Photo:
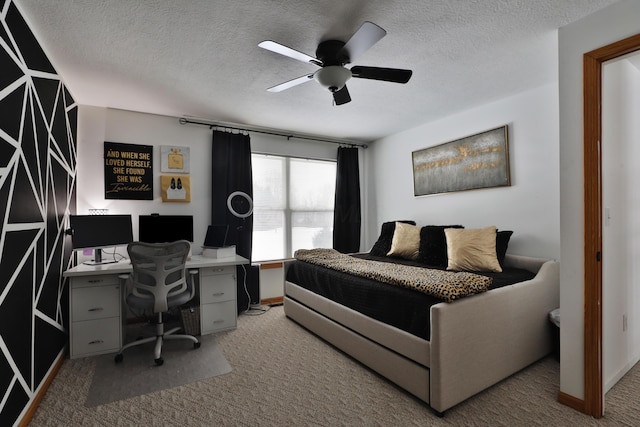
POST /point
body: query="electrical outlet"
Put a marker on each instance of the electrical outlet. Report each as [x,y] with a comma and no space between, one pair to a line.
[624,323]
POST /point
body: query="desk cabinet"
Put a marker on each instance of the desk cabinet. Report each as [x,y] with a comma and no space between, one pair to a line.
[96,313]
[95,316]
[217,299]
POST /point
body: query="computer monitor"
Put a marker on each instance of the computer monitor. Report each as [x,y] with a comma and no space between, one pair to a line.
[100,231]
[165,228]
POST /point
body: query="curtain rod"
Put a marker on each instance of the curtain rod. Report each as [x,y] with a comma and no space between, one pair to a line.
[212,125]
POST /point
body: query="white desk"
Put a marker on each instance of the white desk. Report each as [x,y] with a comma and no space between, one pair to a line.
[96,302]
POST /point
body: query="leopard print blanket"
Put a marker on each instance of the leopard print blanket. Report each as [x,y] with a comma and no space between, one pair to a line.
[446,285]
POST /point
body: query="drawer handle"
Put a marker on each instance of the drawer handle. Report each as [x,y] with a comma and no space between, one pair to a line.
[218,321]
[95,280]
[96,342]
[218,294]
[95,309]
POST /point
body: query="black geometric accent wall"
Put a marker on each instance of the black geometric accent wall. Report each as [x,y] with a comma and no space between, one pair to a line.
[38,121]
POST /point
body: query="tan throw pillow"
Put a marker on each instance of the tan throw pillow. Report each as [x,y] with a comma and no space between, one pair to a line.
[472,249]
[405,242]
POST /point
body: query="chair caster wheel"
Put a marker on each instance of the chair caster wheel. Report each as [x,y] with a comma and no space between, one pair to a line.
[196,345]
[159,361]
[118,358]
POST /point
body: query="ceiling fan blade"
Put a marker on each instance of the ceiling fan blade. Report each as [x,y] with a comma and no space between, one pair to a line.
[291,83]
[342,96]
[394,75]
[367,35]
[287,51]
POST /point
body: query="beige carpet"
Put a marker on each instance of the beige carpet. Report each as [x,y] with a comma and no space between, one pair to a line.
[284,376]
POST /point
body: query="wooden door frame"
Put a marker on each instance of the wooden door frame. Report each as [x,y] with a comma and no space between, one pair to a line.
[592,98]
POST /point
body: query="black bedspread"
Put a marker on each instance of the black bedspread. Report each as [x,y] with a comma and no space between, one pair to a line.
[405,309]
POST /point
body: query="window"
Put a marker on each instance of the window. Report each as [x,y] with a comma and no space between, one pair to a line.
[292,205]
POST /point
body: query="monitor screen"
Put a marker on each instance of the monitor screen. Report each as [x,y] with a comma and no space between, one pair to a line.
[165,228]
[100,231]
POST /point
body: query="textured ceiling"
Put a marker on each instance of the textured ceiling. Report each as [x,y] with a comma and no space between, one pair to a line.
[201,58]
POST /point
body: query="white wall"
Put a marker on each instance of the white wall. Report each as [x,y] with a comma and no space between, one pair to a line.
[529,207]
[609,25]
[621,217]
[96,125]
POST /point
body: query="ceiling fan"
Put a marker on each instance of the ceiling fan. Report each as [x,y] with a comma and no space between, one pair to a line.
[332,56]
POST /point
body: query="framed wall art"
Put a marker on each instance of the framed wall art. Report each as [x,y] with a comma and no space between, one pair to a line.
[128,171]
[175,188]
[174,159]
[476,161]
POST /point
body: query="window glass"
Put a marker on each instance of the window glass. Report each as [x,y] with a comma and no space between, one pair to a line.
[269,238]
[268,182]
[311,230]
[293,205]
[313,184]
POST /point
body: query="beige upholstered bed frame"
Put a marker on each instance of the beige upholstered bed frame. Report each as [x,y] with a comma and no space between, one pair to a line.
[475,341]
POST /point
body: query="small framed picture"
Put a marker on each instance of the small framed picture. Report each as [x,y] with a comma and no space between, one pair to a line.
[174,159]
[175,188]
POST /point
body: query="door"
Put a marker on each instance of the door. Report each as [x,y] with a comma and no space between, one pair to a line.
[593,219]
[620,215]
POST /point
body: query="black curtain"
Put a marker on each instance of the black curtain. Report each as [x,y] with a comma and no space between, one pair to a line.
[346,216]
[231,172]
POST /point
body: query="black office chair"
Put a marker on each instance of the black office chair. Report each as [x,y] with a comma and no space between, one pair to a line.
[158,282]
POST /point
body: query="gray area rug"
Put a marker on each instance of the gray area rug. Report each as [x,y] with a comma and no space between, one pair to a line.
[138,374]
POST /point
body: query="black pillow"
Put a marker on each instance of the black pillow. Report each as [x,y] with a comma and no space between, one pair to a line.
[433,245]
[502,242]
[383,245]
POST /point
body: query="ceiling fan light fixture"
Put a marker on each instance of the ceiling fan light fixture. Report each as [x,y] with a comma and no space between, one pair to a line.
[332,77]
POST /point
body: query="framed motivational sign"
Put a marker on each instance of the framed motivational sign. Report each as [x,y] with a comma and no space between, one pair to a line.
[128,171]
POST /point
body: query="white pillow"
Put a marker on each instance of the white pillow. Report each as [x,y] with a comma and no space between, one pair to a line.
[472,249]
[405,242]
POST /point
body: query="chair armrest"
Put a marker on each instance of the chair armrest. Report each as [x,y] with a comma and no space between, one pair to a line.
[192,273]
[125,282]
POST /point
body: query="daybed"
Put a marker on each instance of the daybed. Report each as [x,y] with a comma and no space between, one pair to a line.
[467,345]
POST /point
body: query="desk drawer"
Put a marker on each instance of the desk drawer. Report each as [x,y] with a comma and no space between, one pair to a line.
[218,317]
[217,289]
[97,280]
[95,337]
[212,271]
[95,302]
